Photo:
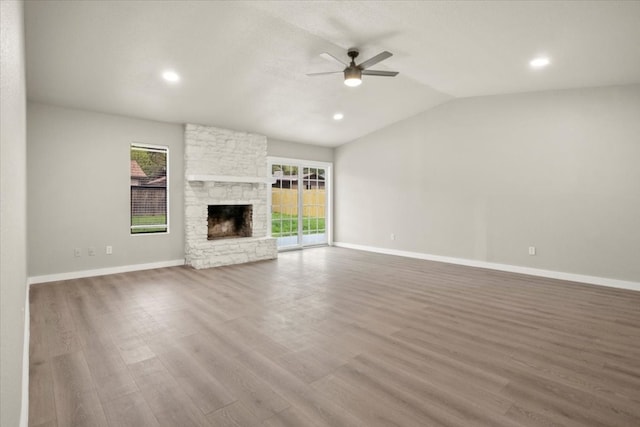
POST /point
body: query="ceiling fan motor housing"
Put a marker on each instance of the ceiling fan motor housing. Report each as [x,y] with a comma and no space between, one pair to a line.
[352,72]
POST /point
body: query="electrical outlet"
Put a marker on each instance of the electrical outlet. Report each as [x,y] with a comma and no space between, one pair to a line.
[109,250]
[393,236]
[92,251]
[77,252]
[532,250]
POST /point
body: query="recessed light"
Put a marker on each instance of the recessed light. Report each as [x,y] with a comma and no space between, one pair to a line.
[338,116]
[539,62]
[171,76]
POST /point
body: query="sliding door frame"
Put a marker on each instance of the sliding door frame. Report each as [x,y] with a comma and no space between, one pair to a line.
[301,164]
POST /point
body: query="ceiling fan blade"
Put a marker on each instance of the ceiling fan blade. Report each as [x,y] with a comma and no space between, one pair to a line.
[379,73]
[330,57]
[373,61]
[322,74]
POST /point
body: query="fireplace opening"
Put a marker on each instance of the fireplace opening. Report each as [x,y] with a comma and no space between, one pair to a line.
[229,221]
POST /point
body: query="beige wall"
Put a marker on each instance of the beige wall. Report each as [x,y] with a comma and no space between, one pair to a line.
[79,190]
[13,213]
[485,178]
[294,150]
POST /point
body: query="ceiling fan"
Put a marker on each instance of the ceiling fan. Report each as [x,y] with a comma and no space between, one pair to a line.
[353,73]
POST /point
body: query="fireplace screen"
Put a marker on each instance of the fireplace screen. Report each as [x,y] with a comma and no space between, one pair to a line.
[229,221]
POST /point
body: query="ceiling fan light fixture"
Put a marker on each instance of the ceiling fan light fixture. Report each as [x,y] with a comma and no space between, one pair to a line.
[353,82]
[352,76]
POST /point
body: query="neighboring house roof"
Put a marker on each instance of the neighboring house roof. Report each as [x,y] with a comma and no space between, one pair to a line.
[157,181]
[136,170]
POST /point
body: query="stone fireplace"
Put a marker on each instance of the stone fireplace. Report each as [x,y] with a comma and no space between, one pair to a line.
[226,188]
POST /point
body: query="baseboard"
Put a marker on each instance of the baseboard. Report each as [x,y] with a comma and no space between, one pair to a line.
[24,410]
[103,271]
[592,280]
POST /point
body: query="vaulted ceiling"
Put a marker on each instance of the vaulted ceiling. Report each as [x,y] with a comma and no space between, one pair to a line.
[243,65]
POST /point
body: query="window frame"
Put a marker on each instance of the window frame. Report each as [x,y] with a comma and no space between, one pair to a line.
[301,164]
[166,149]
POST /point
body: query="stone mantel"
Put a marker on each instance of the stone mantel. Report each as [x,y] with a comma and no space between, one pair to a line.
[231,179]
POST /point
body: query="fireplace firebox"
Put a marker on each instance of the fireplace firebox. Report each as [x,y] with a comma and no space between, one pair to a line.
[229,221]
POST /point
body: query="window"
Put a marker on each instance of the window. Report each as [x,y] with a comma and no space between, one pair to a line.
[149,196]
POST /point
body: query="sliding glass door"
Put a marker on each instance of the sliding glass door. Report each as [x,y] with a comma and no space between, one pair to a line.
[284,205]
[300,202]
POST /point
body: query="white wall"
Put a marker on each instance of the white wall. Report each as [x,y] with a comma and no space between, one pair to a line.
[79,190]
[294,150]
[485,178]
[13,212]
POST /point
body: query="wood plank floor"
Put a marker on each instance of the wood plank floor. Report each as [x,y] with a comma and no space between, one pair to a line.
[333,337]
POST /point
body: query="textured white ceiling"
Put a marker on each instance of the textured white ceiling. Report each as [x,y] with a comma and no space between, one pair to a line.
[244,64]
